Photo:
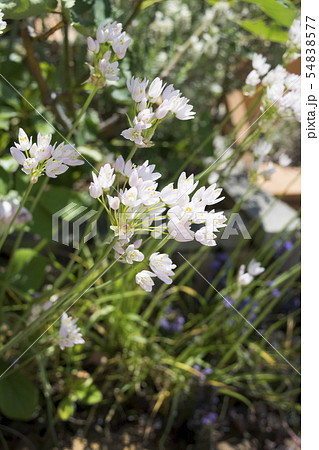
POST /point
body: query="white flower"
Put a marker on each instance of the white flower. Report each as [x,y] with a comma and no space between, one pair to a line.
[252,78]
[93,45]
[274,76]
[114,202]
[254,268]
[143,120]
[185,184]
[54,168]
[134,135]
[69,333]
[262,148]
[144,279]
[147,192]
[211,195]
[206,236]
[284,160]
[129,197]
[3,23]
[163,109]
[137,87]
[162,266]
[120,45]
[29,164]
[43,156]
[132,254]
[106,176]
[114,31]
[244,278]
[155,89]
[24,142]
[146,172]
[294,35]
[95,188]
[259,63]
[180,230]
[109,70]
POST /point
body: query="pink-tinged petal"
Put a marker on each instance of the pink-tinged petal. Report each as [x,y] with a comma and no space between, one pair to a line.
[17,155]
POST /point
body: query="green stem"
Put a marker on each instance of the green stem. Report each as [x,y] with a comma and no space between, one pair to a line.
[84,108]
[17,243]
[25,197]
[47,393]
[132,153]
[66,299]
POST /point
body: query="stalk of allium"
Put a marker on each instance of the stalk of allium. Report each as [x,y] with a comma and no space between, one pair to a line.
[281,89]
[139,208]
[110,45]
[147,119]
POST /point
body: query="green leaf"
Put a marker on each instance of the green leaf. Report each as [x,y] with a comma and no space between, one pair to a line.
[28,269]
[258,27]
[18,396]
[238,396]
[284,14]
[88,393]
[5,181]
[8,163]
[66,408]
[21,9]
[91,154]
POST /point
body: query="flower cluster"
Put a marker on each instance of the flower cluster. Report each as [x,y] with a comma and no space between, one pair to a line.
[253,270]
[69,332]
[3,23]
[146,119]
[161,266]
[8,208]
[261,150]
[140,207]
[294,42]
[282,89]
[40,157]
[110,45]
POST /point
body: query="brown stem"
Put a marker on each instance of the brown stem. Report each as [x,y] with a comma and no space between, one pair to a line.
[44,36]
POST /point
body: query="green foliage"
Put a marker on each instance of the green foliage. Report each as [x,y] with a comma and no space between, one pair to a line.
[21,9]
[282,12]
[28,270]
[271,32]
[18,396]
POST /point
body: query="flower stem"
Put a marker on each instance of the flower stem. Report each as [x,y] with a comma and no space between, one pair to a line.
[84,108]
[24,199]
[132,153]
